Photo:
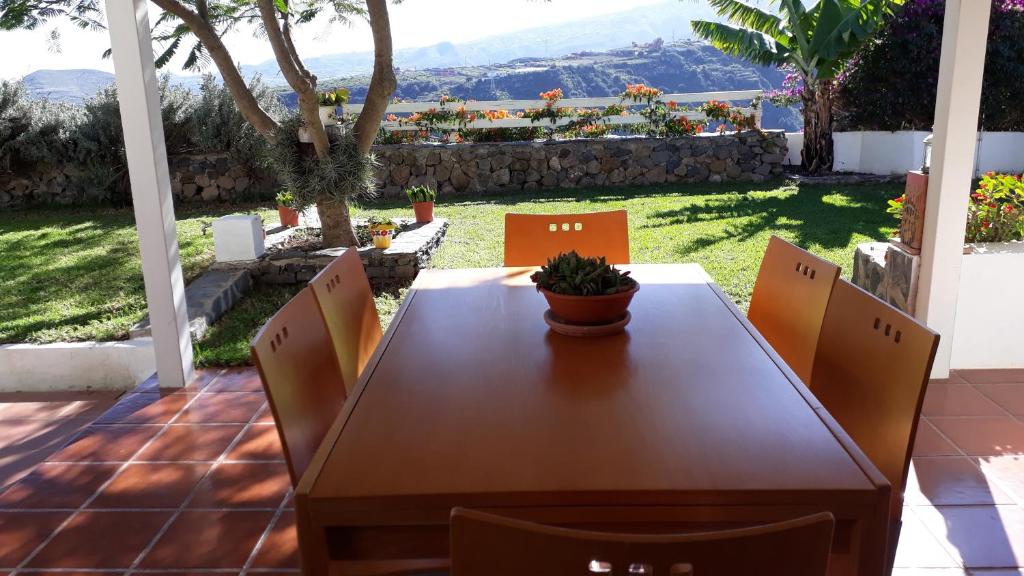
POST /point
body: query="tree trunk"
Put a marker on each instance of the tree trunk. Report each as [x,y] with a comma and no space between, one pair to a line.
[817,103]
[336,224]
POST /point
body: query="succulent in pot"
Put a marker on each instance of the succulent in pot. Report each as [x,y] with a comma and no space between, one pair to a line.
[382,230]
[330,102]
[583,290]
[286,209]
[422,199]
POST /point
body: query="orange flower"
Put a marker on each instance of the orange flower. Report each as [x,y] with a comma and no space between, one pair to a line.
[392,118]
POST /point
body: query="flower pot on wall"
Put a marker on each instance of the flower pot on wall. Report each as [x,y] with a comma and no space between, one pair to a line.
[289,216]
[424,212]
[382,236]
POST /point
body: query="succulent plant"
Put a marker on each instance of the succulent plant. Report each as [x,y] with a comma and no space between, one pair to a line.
[380,222]
[421,194]
[574,275]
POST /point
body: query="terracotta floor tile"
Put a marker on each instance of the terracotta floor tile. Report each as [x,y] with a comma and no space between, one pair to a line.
[209,539]
[1009,396]
[22,532]
[237,408]
[200,380]
[104,540]
[281,547]
[980,536]
[259,485]
[918,548]
[958,401]
[983,436]
[26,443]
[106,443]
[57,485]
[950,481]
[190,442]
[259,442]
[151,486]
[52,405]
[145,408]
[237,380]
[1007,471]
[930,443]
[1000,376]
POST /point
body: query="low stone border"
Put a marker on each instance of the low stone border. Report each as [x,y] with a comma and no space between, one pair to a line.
[76,365]
[395,267]
[846,178]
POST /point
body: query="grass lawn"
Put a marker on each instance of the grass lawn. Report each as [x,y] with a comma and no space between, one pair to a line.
[74,274]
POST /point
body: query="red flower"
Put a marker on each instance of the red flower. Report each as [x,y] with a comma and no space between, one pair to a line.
[986,224]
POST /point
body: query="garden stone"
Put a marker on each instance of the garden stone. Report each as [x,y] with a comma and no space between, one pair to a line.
[554,164]
[400,174]
[210,193]
[500,177]
[226,183]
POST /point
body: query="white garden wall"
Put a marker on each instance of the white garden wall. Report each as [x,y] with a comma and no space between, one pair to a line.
[989,318]
[887,153]
[794,145]
[76,365]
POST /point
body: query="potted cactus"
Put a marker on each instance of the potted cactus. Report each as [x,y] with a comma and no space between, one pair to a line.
[382,230]
[286,209]
[330,104]
[422,199]
[585,291]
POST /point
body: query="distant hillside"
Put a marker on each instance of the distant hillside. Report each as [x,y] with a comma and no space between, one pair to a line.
[67,85]
[687,66]
[670,21]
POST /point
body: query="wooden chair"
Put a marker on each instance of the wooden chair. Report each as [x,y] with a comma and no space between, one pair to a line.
[789,300]
[530,239]
[487,545]
[304,384]
[870,373]
[300,375]
[346,302]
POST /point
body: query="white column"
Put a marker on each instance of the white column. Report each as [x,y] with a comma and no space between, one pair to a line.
[964,38]
[139,97]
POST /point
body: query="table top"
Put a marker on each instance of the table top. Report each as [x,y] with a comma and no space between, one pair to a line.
[473,401]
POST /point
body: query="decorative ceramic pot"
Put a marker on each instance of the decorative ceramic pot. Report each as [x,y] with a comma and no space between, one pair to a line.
[603,309]
[289,216]
[424,212]
[382,236]
[328,115]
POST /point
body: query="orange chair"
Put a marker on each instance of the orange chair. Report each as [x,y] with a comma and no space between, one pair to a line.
[487,545]
[299,369]
[789,301]
[300,375]
[530,239]
[346,301]
[870,373]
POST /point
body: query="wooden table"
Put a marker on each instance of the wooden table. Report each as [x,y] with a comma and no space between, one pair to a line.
[686,421]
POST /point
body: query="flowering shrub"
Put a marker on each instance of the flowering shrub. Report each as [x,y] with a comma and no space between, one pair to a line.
[789,94]
[724,113]
[640,93]
[996,211]
[891,83]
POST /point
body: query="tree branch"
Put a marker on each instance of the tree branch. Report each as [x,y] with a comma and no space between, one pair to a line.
[382,82]
[233,80]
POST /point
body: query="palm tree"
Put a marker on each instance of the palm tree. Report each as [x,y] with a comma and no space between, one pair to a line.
[816,41]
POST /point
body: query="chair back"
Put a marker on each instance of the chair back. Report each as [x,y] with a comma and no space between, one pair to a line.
[789,300]
[346,301]
[487,545]
[300,375]
[530,239]
[870,373]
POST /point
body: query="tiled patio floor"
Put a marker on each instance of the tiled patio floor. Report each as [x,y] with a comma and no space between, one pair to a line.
[194,482]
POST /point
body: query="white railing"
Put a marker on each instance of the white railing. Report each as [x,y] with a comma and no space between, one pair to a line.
[514,105]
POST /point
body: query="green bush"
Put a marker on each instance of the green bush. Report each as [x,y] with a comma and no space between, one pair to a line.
[891,83]
[218,126]
[32,133]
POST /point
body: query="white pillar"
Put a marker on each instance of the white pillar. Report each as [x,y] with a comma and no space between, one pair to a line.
[139,97]
[964,38]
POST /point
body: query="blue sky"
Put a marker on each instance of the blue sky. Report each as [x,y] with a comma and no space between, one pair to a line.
[414,23]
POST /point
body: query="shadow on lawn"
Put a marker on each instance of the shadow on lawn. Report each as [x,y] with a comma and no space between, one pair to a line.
[804,215]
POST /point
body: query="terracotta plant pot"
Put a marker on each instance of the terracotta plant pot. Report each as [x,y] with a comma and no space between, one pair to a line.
[289,216]
[590,309]
[424,212]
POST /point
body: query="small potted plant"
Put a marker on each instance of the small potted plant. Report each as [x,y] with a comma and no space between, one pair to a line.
[422,198]
[330,103]
[382,230]
[286,209]
[585,291]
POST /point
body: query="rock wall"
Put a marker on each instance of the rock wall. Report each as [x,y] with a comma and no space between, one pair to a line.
[888,272]
[523,166]
[194,178]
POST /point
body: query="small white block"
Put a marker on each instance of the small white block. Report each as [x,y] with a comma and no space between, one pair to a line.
[238,237]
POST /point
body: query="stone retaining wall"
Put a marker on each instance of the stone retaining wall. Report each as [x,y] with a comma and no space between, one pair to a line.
[523,166]
[194,178]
